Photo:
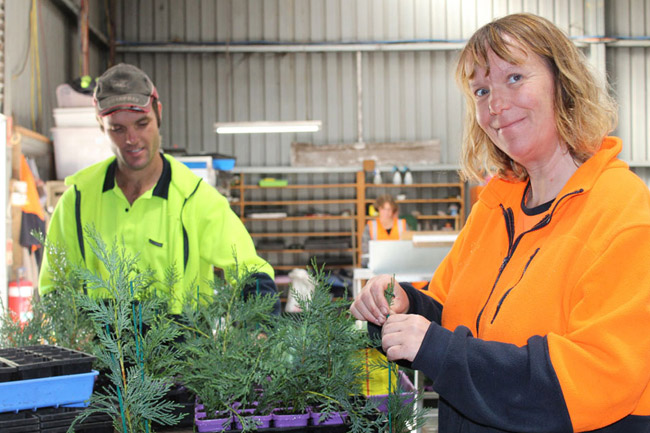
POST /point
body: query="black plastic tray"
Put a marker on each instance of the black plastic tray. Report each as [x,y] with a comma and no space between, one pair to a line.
[34,362]
[55,420]
[25,420]
[67,361]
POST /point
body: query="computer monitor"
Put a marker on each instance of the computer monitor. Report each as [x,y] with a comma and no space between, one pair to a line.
[405,259]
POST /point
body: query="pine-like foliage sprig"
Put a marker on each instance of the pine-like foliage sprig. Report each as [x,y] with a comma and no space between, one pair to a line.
[227,348]
[319,350]
[138,379]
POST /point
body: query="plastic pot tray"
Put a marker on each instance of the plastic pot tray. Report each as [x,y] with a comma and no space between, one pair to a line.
[74,389]
[59,420]
[32,362]
[19,422]
[407,390]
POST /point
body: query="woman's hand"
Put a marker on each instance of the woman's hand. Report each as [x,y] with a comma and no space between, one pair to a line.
[402,336]
[371,304]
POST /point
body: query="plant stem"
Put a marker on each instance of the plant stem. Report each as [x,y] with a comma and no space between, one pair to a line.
[190,328]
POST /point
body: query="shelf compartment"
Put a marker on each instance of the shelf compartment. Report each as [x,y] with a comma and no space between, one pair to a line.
[414,185]
[309,251]
[302,266]
[423,200]
[298,202]
[294,234]
[310,186]
[303,218]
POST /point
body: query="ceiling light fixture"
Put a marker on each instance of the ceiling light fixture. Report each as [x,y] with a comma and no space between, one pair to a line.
[267,127]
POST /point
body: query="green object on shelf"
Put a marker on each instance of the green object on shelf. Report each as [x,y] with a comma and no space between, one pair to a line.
[271,181]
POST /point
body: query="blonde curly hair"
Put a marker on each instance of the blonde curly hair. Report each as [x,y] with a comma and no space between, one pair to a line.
[584,112]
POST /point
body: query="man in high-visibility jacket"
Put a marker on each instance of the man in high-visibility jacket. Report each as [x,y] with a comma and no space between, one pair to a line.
[150,202]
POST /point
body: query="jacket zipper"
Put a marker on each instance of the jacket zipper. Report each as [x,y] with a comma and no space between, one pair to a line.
[505,295]
[186,241]
[508,216]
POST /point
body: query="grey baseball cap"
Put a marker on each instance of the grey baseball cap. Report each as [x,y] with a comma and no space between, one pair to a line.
[123,87]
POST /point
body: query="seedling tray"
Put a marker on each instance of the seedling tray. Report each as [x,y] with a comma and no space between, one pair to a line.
[33,362]
[74,389]
[59,420]
[65,361]
[340,428]
[18,422]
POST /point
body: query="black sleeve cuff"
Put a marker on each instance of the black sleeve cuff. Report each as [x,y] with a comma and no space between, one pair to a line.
[263,284]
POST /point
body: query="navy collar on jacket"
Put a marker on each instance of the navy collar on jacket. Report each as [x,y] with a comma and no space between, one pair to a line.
[160,190]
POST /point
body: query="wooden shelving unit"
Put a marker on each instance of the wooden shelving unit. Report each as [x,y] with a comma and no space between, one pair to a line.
[331,206]
[320,217]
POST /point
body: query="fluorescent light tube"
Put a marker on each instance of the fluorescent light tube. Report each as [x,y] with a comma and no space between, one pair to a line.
[267,127]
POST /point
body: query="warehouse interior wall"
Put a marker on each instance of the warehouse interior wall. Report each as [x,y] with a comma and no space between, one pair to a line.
[373,71]
[50,28]
[198,53]
[221,61]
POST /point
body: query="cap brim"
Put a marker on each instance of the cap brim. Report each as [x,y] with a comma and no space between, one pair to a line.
[132,102]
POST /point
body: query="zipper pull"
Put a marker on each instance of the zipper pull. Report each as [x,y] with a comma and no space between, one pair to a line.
[505,261]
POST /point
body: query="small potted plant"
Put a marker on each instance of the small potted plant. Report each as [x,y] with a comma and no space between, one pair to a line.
[320,370]
[138,363]
[228,358]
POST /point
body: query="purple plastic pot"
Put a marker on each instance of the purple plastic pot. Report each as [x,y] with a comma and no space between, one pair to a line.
[290,419]
[212,425]
[408,392]
[261,421]
[334,418]
[219,423]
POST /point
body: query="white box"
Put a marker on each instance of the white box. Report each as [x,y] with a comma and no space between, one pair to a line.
[66,96]
[201,166]
[75,116]
[77,148]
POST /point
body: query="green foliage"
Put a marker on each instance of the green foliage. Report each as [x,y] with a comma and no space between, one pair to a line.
[14,333]
[135,338]
[389,293]
[56,317]
[403,416]
[319,353]
[227,346]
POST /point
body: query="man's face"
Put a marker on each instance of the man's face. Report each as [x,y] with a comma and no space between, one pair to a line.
[134,137]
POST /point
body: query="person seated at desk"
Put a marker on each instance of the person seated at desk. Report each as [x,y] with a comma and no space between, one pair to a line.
[386,227]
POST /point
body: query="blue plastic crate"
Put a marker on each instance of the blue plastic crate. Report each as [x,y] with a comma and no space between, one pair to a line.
[73,389]
[223,164]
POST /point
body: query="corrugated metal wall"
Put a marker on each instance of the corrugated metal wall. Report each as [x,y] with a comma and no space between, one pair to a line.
[629,70]
[59,58]
[407,95]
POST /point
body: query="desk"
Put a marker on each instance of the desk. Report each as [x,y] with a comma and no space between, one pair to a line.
[360,275]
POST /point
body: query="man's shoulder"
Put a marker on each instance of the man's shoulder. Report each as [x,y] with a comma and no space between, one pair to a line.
[188,183]
[88,176]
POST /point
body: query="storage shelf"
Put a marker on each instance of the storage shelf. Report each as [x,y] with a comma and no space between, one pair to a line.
[302,218]
[425,200]
[308,251]
[349,189]
[414,185]
[302,266]
[428,217]
[298,202]
[294,234]
[304,186]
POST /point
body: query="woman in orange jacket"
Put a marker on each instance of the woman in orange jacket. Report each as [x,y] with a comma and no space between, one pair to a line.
[386,227]
[538,320]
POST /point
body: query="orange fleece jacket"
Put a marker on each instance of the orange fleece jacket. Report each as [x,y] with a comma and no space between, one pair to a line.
[580,278]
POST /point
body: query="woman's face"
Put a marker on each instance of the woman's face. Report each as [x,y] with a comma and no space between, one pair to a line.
[514,106]
[386,212]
